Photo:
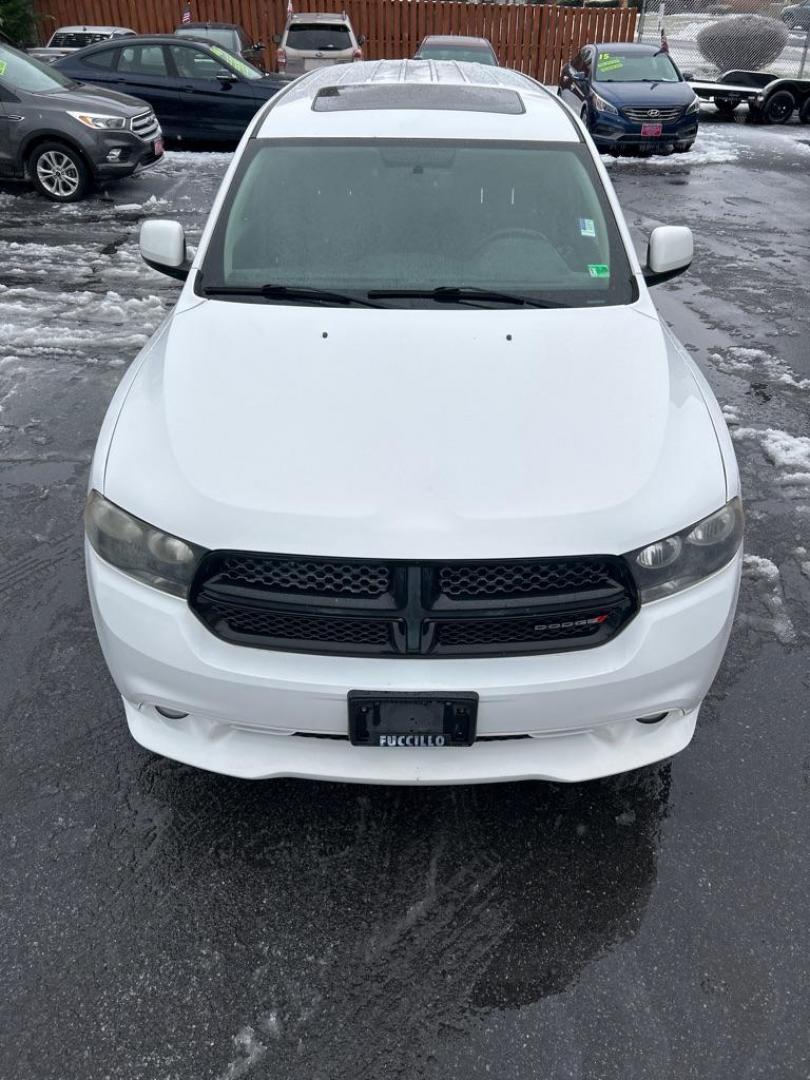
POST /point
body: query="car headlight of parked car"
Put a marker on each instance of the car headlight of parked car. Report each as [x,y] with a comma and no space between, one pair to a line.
[686,557]
[152,556]
[603,106]
[99,121]
[693,106]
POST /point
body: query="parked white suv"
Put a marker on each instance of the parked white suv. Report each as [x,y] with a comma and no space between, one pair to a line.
[414,486]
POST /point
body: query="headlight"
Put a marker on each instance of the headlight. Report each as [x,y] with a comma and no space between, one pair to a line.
[681,560]
[98,121]
[601,105]
[156,558]
[694,107]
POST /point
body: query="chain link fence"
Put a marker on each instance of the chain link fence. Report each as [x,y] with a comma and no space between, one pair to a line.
[738,39]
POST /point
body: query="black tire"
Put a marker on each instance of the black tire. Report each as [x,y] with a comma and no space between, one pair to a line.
[804,111]
[684,147]
[726,107]
[778,108]
[59,172]
[583,115]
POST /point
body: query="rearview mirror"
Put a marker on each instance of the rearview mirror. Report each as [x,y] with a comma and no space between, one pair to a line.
[163,247]
[669,253]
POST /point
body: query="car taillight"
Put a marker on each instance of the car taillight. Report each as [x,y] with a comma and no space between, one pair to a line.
[357,54]
[281,58]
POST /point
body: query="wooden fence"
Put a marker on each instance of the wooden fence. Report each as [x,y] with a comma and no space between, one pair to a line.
[534,38]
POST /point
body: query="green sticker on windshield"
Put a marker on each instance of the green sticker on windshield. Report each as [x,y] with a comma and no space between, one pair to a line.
[2,67]
[607,62]
[239,66]
[599,270]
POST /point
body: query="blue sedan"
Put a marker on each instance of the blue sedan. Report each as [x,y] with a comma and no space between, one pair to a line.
[201,93]
[632,98]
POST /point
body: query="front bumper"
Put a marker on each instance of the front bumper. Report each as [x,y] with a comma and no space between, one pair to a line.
[617,134]
[136,154]
[255,714]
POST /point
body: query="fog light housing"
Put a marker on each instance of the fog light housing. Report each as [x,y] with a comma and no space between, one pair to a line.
[170,714]
[114,155]
[656,718]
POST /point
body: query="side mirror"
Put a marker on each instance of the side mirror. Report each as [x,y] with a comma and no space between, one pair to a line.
[688,75]
[669,253]
[361,40]
[276,39]
[163,247]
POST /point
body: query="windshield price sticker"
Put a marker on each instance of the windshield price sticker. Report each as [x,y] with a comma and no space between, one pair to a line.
[609,63]
[239,66]
[2,67]
[598,270]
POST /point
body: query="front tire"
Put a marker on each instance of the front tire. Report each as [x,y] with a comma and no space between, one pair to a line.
[804,111]
[59,172]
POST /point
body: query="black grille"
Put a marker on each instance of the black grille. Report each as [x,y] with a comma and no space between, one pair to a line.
[430,609]
[653,116]
[306,576]
[462,632]
[469,581]
[274,629]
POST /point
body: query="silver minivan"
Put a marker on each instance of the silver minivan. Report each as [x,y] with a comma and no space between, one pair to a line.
[316,40]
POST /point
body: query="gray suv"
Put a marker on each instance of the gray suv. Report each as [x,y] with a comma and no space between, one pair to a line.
[62,135]
[316,40]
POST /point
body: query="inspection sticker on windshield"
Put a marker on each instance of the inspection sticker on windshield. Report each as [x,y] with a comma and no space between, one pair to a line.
[2,67]
[586,227]
[599,270]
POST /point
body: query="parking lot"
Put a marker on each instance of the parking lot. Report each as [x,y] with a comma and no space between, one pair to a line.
[161,923]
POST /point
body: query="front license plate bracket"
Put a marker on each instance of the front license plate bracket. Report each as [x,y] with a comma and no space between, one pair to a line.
[412,721]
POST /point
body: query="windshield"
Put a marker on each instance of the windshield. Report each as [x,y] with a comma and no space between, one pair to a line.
[61,40]
[615,67]
[470,55]
[360,215]
[208,33]
[22,72]
[314,37]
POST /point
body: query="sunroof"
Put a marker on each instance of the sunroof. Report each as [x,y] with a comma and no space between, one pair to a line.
[453,97]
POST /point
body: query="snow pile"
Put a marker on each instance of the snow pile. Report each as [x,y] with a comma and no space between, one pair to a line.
[785,451]
[738,359]
[765,580]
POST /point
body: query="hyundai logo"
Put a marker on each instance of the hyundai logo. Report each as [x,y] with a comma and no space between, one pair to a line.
[653,112]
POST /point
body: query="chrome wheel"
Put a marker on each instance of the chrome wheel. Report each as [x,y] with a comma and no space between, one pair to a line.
[58,174]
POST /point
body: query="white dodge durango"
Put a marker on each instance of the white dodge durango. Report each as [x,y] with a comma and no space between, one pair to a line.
[413,485]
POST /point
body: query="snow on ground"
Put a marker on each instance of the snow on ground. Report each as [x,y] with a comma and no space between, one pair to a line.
[749,361]
[764,578]
[784,451]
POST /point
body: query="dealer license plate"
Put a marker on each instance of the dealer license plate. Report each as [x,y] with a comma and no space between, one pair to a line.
[651,130]
[157,147]
[412,721]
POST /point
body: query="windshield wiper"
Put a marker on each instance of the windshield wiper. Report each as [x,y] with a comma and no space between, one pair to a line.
[463,294]
[294,293]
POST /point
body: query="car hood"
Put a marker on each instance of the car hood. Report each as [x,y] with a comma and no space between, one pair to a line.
[93,98]
[645,95]
[414,434]
[270,85]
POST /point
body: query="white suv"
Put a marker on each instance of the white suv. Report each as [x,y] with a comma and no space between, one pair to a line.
[414,486]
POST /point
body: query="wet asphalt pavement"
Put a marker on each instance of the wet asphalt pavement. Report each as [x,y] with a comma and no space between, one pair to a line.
[158,923]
